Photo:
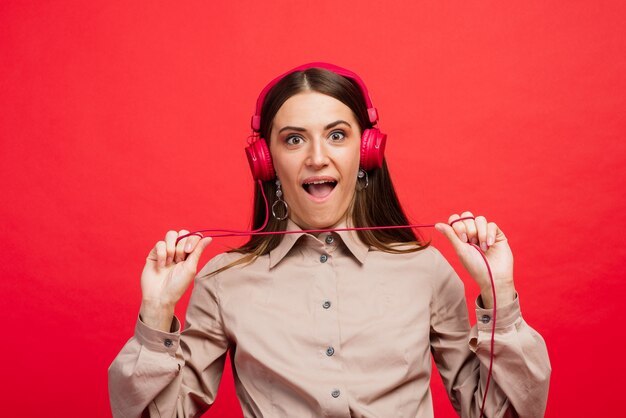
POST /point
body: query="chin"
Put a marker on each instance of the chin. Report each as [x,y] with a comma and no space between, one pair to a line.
[318,222]
[323,225]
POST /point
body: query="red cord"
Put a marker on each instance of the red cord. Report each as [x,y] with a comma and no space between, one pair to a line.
[493,326]
[259,231]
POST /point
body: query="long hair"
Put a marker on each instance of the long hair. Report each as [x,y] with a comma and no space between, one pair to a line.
[375,205]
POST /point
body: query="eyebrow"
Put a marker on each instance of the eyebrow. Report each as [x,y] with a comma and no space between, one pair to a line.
[329,126]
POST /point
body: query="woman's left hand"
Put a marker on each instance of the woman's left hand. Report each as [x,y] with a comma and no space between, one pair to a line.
[496,248]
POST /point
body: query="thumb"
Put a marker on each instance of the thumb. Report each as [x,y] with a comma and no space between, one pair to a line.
[194,257]
[449,233]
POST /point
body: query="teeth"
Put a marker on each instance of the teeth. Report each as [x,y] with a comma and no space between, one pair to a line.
[320,182]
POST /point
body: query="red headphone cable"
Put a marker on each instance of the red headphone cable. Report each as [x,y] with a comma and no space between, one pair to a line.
[259,231]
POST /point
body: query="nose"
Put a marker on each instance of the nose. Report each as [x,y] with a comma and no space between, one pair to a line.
[318,154]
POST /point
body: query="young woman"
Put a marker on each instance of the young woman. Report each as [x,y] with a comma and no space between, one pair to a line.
[339,323]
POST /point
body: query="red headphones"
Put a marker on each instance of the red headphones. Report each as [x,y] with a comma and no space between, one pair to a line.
[372,140]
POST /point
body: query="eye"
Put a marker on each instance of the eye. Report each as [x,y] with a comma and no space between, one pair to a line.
[337,136]
[293,140]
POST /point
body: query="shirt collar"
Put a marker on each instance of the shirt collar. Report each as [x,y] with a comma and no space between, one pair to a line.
[350,238]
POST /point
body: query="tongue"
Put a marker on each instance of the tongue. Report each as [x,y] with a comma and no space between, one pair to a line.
[320,190]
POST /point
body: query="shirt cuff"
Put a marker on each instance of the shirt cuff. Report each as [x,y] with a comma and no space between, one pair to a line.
[157,340]
[505,315]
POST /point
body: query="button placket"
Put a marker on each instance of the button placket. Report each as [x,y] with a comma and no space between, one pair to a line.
[327,326]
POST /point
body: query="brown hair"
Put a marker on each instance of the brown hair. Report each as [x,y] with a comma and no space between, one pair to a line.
[375,205]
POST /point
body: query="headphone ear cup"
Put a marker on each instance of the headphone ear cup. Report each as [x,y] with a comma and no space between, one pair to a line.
[260,160]
[373,143]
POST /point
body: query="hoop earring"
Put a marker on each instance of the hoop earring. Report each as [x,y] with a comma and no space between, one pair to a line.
[279,200]
[362,174]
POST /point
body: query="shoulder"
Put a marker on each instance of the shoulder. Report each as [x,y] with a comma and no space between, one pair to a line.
[446,284]
[210,278]
[428,259]
[428,263]
[437,261]
[219,262]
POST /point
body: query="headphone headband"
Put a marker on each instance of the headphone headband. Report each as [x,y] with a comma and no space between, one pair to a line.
[371,110]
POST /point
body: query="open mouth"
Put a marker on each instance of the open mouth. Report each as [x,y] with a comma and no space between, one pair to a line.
[319,188]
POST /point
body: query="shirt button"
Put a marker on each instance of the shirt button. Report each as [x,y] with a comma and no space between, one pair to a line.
[335,393]
[326,304]
[323,258]
[485,319]
[329,239]
[168,343]
[330,351]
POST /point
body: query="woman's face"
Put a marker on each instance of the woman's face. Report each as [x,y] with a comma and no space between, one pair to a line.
[315,146]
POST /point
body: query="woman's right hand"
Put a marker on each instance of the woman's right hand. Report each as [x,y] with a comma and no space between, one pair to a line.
[169,270]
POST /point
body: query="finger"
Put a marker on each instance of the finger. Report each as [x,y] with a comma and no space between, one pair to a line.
[470,227]
[194,257]
[192,241]
[170,245]
[481,231]
[160,252]
[452,236]
[458,227]
[180,247]
[499,234]
[152,255]
[492,230]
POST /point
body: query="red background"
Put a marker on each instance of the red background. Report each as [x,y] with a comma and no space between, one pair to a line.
[120,120]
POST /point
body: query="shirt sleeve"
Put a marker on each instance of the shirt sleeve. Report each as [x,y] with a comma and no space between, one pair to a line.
[172,374]
[521,367]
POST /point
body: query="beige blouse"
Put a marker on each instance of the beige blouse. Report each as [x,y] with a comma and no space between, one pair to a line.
[327,327]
